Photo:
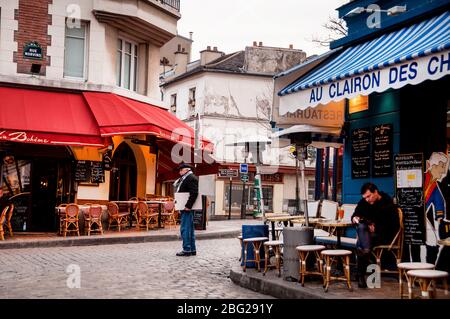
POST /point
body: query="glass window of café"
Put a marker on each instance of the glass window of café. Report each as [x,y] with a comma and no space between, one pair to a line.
[75,50]
[249,197]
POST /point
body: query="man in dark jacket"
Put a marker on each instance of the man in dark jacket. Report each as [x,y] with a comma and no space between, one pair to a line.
[376,220]
[187,183]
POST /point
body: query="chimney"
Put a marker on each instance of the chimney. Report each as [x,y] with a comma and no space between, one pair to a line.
[208,55]
[291,46]
[260,44]
[181,61]
[255,43]
[190,35]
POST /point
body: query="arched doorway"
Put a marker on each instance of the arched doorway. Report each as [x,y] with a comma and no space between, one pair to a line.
[123,174]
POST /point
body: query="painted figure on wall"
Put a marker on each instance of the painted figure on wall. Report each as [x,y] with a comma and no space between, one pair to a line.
[437,221]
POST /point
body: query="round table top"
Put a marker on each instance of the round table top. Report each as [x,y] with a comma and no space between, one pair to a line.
[428,273]
[336,252]
[273,243]
[310,247]
[336,223]
[255,239]
[415,265]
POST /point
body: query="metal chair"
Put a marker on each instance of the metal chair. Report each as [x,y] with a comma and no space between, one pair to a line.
[257,242]
[331,255]
[395,247]
[303,253]
[168,214]
[276,246]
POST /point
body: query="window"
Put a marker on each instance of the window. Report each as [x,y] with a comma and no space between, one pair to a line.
[75,51]
[127,65]
[191,102]
[173,103]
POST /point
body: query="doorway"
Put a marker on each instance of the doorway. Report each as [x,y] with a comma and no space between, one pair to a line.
[123,174]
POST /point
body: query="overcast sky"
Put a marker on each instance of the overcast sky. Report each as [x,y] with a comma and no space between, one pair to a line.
[231,25]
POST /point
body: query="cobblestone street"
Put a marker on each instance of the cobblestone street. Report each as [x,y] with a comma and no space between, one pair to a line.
[149,270]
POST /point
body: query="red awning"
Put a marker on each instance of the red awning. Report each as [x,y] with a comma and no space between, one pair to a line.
[43,117]
[117,115]
[90,118]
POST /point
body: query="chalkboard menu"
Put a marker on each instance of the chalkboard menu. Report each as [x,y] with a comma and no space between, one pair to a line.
[89,172]
[382,150]
[200,216]
[83,171]
[360,153]
[409,194]
[97,172]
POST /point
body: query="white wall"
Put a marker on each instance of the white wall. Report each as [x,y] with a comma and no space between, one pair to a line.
[220,188]
[278,192]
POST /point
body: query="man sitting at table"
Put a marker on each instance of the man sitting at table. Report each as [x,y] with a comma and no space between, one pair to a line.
[376,220]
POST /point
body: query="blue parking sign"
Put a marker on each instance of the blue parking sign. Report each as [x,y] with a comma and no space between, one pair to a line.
[243,168]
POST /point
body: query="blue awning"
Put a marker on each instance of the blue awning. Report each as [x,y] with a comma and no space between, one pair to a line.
[365,68]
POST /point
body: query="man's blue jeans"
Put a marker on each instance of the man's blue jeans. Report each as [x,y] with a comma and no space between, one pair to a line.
[187,230]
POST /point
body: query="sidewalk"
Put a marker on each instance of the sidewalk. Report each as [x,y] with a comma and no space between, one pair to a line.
[214,229]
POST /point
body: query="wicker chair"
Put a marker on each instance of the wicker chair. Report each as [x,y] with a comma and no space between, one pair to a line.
[134,208]
[71,219]
[8,220]
[168,214]
[94,217]
[115,216]
[395,247]
[146,215]
[2,222]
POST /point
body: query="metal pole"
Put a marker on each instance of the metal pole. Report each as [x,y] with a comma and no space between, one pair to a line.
[243,203]
[302,169]
[229,201]
[297,189]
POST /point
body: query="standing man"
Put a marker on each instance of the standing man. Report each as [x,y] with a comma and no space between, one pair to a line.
[187,183]
[377,222]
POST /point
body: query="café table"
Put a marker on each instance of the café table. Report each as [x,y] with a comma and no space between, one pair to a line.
[339,225]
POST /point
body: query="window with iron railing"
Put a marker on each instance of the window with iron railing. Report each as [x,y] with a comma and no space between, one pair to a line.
[172,3]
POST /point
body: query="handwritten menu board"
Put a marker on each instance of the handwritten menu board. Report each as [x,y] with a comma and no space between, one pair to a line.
[89,172]
[382,150]
[360,153]
[409,194]
[83,171]
[97,172]
[200,216]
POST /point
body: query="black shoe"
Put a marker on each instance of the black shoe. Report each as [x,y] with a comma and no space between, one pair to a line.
[193,253]
[184,253]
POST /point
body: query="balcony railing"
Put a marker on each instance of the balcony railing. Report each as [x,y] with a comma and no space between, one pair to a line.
[172,3]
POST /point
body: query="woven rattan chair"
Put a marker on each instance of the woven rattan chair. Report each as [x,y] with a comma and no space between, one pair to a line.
[395,247]
[115,217]
[2,222]
[71,219]
[94,218]
[146,215]
[168,214]
[8,220]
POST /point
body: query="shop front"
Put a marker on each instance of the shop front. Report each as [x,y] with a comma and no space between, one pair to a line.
[84,147]
[395,88]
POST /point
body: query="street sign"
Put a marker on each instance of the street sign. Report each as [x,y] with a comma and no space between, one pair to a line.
[244,178]
[223,172]
[243,168]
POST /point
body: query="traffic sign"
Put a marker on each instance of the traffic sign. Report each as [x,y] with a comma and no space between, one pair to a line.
[228,172]
[243,168]
[244,178]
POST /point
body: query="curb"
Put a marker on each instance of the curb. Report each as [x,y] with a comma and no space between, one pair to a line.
[94,241]
[273,286]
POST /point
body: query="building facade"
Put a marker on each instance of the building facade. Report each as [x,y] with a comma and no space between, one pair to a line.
[81,114]
[227,98]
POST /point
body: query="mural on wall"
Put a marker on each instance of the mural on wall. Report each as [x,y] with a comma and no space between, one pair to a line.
[437,219]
